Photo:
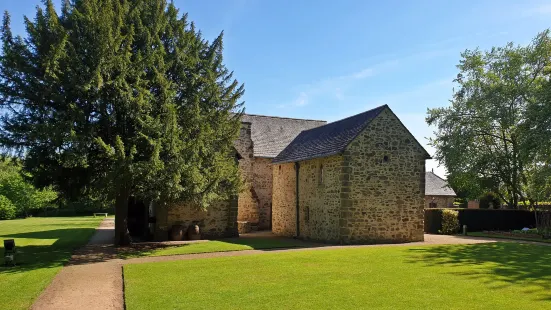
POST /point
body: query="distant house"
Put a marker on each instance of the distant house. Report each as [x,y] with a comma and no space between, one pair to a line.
[438,194]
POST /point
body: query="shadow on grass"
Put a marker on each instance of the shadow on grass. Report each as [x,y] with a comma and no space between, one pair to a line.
[501,265]
[30,257]
[218,245]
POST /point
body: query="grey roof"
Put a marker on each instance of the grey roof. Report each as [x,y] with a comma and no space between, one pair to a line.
[436,186]
[327,140]
[272,134]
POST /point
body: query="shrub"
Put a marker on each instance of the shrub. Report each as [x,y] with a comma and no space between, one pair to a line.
[488,200]
[7,209]
[450,222]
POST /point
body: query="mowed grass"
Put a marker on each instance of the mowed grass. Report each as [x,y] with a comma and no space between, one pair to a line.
[481,276]
[43,246]
[515,237]
[226,245]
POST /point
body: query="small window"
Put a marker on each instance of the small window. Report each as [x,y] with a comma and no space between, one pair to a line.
[307,214]
[279,168]
[386,159]
[320,174]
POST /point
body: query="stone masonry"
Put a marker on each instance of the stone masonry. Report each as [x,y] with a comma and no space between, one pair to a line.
[248,199]
[439,201]
[383,185]
[262,185]
[284,200]
[372,193]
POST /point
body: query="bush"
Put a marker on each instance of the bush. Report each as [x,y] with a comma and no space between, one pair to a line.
[7,209]
[23,195]
[489,200]
[450,222]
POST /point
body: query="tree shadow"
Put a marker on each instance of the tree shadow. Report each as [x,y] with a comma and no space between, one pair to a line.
[30,257]
[253,242]
[497,265]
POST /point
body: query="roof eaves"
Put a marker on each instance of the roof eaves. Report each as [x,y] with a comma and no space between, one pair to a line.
[307,158]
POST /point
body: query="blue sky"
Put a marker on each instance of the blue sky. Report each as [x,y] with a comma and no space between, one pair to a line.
[326,60]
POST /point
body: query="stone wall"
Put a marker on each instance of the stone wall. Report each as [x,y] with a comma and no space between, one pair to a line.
[220,219]
[262,184]
[441,201]
[248,199]
[284,200]
[319,202]
[215,222]
[383,185]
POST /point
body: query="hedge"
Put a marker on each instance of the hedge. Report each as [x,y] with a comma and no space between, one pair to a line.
[481,219]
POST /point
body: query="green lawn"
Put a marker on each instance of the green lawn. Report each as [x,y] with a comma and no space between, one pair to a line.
[482,276]
[516,237]
[233,244]
[43,245]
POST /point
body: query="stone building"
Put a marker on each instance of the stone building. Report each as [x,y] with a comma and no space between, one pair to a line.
[261,138]
[438,194]
[357,180]
[269,136]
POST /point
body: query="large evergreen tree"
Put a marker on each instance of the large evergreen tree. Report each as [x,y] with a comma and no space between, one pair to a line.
[120,97]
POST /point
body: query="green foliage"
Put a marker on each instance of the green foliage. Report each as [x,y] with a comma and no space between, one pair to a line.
[450,222]
[495,135]
[23,195]
[120,98]
[7,209]
[489,200]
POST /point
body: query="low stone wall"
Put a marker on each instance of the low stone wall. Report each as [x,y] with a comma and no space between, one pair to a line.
[440,201]
[219,220]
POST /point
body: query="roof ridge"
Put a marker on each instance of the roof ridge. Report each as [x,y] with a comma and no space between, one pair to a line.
[436,175]
[283,117]
[344,119]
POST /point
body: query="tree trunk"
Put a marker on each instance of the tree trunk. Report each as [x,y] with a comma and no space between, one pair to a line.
[122,237]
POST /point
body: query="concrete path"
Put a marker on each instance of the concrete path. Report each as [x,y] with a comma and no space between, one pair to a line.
[93,278]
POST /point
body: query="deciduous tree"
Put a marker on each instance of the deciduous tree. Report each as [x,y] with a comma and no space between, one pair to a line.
[482,137]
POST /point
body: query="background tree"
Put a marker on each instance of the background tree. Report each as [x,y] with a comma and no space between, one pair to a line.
[23,197]
[120,97]
[482,138]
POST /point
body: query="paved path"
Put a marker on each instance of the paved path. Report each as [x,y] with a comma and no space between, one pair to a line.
[93,277]
[91,280]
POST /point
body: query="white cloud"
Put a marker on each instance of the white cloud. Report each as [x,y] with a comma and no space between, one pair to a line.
[336,86]
[302,99]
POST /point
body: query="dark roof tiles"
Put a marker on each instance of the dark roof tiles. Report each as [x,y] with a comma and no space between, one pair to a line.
[327,140]
[271,134]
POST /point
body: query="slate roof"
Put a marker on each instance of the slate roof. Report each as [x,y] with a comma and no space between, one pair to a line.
[330,139]
[272,134]
[327,140]
[436,186]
